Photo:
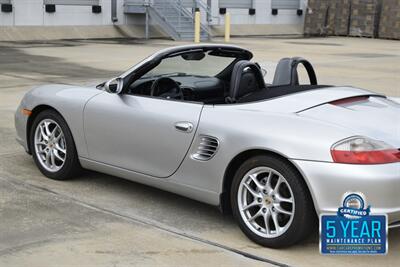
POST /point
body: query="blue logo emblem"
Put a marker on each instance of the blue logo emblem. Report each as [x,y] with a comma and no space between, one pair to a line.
[353,207]
[353,230]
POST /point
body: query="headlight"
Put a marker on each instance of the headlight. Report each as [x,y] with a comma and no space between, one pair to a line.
[364,150]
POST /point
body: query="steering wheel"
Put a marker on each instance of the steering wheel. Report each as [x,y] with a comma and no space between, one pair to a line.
[167,88]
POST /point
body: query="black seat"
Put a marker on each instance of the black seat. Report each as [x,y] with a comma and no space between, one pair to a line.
[246,78]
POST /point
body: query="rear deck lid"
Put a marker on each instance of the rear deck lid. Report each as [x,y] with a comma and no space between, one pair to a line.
[300,101]
[372,116]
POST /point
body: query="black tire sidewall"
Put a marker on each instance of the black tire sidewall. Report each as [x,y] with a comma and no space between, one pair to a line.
[71,165]
[304,216]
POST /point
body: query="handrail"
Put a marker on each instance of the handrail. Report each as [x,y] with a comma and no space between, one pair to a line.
[138,2]
[179,7]
[178,4]
[207,9]
[167,25]
[202,26]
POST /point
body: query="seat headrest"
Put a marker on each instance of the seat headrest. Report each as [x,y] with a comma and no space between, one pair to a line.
[286,72]
[246,78]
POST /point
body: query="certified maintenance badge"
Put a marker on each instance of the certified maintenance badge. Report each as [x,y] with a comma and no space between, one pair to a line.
[353,230]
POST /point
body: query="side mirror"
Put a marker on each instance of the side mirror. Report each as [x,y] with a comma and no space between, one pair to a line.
[114,86]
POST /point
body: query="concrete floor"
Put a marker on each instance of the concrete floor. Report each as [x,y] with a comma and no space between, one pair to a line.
[102,220]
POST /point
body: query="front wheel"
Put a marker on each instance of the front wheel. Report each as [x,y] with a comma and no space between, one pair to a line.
[53,147]
[271,202]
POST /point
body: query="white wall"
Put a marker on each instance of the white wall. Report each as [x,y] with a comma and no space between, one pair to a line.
[6,19]
[72,15]
[263,14]
[32,13]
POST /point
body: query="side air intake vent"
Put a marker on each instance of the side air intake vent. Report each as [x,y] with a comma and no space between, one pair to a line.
[207,148]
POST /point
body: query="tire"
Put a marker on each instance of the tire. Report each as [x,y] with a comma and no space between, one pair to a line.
[257,212]
[55,157]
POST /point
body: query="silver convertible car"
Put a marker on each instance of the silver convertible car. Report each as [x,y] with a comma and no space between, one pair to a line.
[200,121]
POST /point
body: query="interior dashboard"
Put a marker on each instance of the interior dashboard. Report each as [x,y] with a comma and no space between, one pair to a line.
[194,88]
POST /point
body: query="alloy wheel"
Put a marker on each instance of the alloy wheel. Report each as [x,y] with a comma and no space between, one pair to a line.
[266,202]
[50,145]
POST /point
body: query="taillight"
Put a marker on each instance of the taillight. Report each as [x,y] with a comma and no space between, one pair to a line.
[363,150]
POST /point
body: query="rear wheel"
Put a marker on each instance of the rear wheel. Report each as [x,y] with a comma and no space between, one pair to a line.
[53,147]
[271,202]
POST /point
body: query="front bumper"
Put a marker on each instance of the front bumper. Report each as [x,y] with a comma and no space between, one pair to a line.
[328,182]
[21,122]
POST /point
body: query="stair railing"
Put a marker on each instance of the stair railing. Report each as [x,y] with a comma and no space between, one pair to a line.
[205,8]
[177,4]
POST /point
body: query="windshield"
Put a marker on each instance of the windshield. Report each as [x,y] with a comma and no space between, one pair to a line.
[209,65]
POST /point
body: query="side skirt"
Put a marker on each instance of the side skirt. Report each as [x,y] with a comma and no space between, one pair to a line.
[167,184]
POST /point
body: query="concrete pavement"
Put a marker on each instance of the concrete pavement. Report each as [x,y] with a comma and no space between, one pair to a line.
[103,220]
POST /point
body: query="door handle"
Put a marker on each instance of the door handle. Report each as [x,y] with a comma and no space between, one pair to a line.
[186,127]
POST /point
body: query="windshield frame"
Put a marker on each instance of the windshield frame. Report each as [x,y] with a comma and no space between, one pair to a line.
[209,66]
[137,71]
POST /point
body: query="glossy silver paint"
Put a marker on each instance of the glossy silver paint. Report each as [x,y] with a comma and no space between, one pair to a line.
[135,137]
[147,140]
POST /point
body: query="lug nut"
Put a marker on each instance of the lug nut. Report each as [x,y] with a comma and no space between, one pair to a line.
[264,210]
[259,199]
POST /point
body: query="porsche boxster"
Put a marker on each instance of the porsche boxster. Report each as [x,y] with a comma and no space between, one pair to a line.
[200,121]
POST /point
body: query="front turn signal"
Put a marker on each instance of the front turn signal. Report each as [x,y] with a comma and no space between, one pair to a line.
[26,112]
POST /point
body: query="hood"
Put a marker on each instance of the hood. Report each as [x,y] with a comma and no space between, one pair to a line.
[56,94]
[371,116]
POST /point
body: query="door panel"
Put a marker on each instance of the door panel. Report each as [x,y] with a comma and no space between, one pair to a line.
[139,133]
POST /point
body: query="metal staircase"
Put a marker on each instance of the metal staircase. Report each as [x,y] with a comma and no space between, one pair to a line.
[175,17]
